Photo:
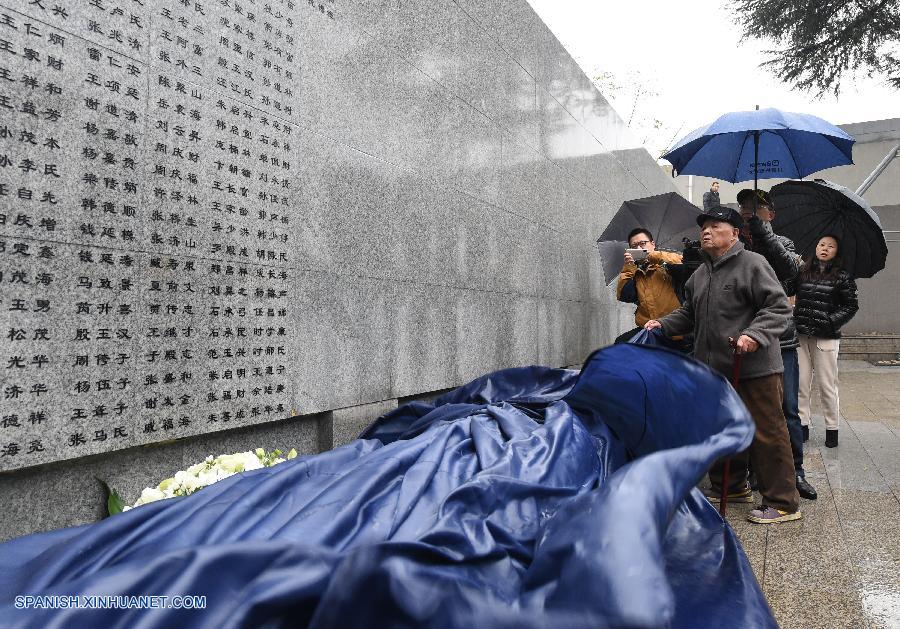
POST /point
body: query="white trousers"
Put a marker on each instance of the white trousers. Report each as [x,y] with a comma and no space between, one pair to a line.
[820,357]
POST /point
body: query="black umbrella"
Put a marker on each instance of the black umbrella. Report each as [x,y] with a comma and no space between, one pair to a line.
[669,217]
[807,210]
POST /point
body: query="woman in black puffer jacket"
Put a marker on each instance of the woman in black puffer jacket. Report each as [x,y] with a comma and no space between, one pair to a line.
[826,301]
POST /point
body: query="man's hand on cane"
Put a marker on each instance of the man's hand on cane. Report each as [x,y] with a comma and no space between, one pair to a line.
[744,344]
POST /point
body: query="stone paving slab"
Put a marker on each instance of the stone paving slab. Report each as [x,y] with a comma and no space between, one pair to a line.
[840,565]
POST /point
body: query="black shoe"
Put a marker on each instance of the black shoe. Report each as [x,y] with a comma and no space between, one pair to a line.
[751,478]
[805,489]
[805,433]
[831,438]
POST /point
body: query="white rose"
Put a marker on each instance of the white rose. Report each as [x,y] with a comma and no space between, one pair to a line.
[166,484]
[196,469]
[211,476]
[151,494]
[251,461]
[231,462]
[190,485]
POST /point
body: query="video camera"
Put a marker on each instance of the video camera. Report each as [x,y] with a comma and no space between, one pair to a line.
[691,253]
[690,262]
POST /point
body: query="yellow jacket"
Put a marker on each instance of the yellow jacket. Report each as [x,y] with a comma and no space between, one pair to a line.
[656,294]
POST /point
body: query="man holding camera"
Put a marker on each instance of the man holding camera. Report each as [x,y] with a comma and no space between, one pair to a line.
[757,235]
[645,281]
[736,295]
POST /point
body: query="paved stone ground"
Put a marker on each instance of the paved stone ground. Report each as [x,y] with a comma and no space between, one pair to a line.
[840,565]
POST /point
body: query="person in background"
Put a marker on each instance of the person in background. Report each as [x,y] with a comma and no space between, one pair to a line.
[826,301]
[779,252]
[735,295]
[646,282]
[711,198]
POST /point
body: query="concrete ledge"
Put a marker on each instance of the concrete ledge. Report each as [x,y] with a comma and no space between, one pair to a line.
[343,425]
[423,397]
[67,493]
[870,347]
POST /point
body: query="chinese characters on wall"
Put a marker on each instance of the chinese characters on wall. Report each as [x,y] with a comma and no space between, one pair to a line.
[148,190]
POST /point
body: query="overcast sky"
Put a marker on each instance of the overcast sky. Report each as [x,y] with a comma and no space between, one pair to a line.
[689,54]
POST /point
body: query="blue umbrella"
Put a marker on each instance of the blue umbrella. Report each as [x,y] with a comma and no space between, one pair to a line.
[761,144]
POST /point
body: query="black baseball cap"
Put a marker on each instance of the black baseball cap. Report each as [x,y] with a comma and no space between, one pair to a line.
[762,197]
[721,213]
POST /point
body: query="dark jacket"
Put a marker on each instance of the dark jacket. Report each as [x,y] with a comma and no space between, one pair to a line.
[710,200]
[735,294]
[824,304]
[779,252]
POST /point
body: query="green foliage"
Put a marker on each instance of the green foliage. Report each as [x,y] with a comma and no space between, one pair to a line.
[820,42]
[114,502]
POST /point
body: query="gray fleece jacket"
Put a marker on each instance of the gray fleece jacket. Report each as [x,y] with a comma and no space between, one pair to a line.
[735,294]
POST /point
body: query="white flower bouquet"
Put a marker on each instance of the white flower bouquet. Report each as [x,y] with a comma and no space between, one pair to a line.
[207,472]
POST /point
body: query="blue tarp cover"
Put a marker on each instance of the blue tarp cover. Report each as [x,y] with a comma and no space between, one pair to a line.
[530,497]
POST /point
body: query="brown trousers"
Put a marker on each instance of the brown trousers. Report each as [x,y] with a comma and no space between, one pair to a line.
[770,452]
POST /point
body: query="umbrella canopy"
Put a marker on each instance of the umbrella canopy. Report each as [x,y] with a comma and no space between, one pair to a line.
[761,144]
[669,217]
[807,210]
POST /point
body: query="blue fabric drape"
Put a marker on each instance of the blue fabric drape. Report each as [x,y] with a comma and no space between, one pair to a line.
[530,497]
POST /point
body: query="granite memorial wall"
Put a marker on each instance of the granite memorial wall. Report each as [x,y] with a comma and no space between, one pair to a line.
[148,178]
[221,214]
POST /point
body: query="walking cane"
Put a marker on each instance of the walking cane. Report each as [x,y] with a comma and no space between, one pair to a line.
[735,378]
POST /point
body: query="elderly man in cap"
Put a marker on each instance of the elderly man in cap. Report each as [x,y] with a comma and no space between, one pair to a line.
[758,212]
[735,294]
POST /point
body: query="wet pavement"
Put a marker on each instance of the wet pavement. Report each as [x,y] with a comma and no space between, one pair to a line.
[840,565]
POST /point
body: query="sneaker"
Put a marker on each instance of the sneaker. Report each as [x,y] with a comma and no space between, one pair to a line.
[805,489]
[771,515]
[805,433]
[831,438]
[742,495]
